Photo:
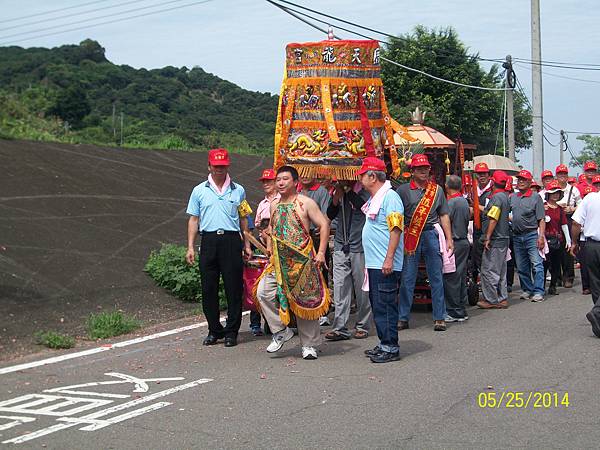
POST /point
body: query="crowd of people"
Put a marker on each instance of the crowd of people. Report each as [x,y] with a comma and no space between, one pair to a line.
[381,234]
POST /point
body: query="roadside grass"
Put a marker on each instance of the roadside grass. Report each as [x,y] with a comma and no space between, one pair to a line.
[108,324]
[53,339]
[168,268]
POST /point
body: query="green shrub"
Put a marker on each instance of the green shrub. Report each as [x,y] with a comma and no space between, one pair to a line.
[52,339]
[108,324]
[169,269]
[170,142]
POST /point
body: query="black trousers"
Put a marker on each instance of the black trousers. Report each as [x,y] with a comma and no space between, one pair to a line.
[221,256]
[567,261]
[553,263]
[592,260]
[585,274]
[510,264]
[476,254]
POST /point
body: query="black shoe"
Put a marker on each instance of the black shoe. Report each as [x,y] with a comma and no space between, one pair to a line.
[211,339]
[552,290]
[230,341]
[383,357]
[595,323]
[374,351]
[403,325]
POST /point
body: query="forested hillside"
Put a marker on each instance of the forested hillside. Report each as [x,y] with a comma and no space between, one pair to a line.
[69,93]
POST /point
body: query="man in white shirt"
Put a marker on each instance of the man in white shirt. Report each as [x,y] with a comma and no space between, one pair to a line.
[570,200]
[587,216]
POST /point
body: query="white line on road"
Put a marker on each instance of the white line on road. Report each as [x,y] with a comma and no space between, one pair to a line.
[104,348]
[90,426]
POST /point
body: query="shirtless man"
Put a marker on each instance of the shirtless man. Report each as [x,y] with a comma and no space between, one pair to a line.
[293,281]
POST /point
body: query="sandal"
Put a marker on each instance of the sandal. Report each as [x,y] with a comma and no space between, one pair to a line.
[335,336]
[360,334]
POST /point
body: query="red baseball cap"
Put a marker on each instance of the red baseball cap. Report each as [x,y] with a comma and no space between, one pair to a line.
[525,174]
[218,157]
[562,168]
[481,168]
[268,174]
[590,165]
[596,179]
[547,173]
[581,178]
[572,180]
[509,186]
[420,160]
[553,186]
[536,184]
[587,190]
[371,163]
[500,177]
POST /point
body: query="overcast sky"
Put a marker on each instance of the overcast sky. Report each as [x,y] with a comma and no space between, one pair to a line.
[243,40]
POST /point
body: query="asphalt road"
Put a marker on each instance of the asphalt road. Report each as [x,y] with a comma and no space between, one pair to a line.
[429,399]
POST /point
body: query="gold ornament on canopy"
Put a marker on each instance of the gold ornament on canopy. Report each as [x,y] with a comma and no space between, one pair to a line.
[332,110]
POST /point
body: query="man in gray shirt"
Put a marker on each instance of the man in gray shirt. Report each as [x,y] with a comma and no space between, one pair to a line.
[348,262]
[428,245]
[455,283]
[528,237]
[495,240]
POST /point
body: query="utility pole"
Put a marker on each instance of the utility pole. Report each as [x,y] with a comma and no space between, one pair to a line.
[536,79]
[562,146]
[510,113]
[121,128]
[114,122]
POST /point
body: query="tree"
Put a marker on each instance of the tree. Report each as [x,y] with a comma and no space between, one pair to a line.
[71,105]
[473,115]
[591,150]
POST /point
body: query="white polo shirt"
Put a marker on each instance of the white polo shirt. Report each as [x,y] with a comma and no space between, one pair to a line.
[575,196]
[587,215]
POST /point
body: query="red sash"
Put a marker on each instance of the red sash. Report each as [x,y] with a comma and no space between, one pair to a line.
[417,222]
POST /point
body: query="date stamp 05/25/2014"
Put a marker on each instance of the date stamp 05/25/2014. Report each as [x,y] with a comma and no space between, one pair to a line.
[523,400]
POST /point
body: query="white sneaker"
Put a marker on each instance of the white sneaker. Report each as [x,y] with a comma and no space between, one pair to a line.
[280,338]
[309,353]
[537,298]
[524,295]
[324,321]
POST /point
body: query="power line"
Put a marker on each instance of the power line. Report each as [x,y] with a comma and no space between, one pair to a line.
[558,66]
[549,143]
[26,24]
[383,33]
[564,77]
[296,14]
[525,60]
[91,19]
[581,132]
[53,11]
[109,22]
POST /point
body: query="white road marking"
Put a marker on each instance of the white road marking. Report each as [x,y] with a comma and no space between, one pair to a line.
[105,348]
[14,421]
[91,423]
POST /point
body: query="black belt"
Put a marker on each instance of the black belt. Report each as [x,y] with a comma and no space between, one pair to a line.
[219,232]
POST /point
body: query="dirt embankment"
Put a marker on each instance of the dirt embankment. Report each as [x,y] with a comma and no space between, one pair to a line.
[77,223]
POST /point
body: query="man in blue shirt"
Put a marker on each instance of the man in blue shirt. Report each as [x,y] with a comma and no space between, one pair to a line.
[383,246]
[219,210]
